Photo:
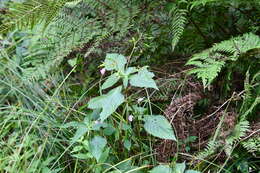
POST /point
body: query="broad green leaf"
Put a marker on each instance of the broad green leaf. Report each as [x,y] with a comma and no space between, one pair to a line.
[111,80]
[71,124]
[95,114]
[115,61]
[98,125]
[127,166]
[159,126]
[161,169]
[109,130]
[180,167]
[81,131]
[125,81]
[72,62]
[96,146]
[130,70]
[139,110]
[143,78]
[77,149]
[104,156]
[127,144]
[192,171]
[125,126]
[82,128]
[108,102]
[82,156]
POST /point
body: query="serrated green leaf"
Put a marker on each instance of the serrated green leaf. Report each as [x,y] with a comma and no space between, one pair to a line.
[143,78]
[159,126]
[111,80]
[208,71]
[129,70]
[96,146]
[161,169]
[108,102]
[115,61]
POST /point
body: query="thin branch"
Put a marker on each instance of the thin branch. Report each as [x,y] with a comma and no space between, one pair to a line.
[251,134]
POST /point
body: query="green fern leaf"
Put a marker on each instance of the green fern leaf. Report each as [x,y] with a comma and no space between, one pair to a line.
[211,61]
[179,21]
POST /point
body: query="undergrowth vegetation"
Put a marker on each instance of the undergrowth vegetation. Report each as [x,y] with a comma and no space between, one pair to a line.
[129,86]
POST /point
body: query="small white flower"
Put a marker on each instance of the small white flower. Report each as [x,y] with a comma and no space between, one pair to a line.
[130,118]
[140,100]
[97,122]
[103,71]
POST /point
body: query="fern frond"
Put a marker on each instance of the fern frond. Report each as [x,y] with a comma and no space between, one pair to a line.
[239,131]
[252,107]
[30,12]
[252,145]
[201,2]
[77,25]
[179,21]
[211,61]
[250,101]
[211,148]
[208,70]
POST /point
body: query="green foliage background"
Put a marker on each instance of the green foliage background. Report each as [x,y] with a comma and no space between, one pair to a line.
[58,113]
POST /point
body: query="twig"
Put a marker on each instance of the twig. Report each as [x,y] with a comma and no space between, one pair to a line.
[227,101]
[250,135]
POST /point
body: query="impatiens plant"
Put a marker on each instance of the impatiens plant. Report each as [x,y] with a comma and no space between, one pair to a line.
[137,77]
[94,133]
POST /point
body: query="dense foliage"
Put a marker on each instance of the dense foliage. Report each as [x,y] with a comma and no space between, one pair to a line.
[124,86]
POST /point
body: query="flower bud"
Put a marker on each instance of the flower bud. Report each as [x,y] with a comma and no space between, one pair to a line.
[103,71]
[130,118]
